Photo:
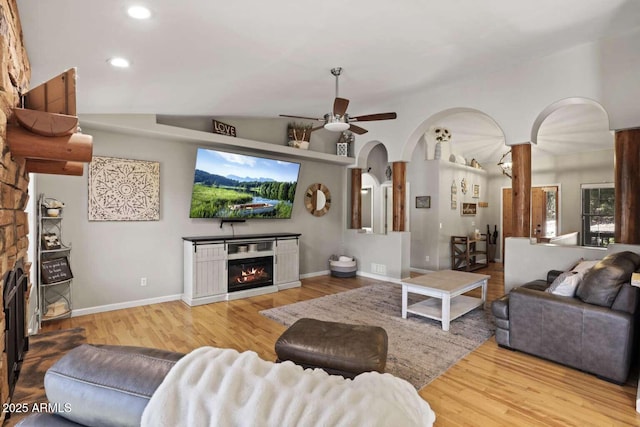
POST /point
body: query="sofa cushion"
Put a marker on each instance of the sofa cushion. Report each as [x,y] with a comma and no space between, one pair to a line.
[565,284]
[107,385]
[602,283]
[537,285]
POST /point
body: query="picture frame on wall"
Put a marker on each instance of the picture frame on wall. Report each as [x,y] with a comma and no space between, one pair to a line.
[468,209]
[423,202]
[476,191]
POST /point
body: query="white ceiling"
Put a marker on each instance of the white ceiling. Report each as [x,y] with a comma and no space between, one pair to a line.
[264,58]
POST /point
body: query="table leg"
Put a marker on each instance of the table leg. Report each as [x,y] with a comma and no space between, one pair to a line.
[484,292]
[446,312]
[405,295]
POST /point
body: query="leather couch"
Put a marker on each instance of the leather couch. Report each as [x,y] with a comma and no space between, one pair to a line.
[102,385]
[594,331]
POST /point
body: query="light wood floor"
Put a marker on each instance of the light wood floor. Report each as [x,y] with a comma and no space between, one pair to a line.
[490,387]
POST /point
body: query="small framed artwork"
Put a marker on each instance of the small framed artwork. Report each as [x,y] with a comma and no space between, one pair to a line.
[476,191]
[468,209]
[50,241]
[423,202]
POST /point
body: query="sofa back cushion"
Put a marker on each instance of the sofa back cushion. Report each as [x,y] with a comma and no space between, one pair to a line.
[601,284]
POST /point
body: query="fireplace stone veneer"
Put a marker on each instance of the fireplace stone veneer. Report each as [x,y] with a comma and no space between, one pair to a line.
[214,266]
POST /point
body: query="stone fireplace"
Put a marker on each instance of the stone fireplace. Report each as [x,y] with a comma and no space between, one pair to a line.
[14,79]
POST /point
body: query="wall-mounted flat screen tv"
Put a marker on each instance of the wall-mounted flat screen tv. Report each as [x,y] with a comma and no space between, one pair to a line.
[230,185]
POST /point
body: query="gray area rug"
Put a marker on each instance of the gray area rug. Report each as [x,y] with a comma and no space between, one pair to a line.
[419,350]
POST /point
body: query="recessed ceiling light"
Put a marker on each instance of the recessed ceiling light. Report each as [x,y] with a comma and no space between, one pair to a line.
[118,62]
[139,12]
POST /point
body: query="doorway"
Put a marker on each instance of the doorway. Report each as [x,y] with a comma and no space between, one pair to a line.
[545,213]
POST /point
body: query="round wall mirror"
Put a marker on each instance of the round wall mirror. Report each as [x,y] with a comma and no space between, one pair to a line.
[317,199]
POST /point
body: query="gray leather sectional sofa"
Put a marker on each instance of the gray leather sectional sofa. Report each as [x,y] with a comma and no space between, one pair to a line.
[594,331]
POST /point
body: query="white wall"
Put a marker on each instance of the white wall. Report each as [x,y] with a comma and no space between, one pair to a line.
[109,258]
[424,178]
[389,252]
[526,262]
[453,223]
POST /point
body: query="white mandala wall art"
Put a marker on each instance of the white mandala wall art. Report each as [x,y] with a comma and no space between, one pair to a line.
[123,190]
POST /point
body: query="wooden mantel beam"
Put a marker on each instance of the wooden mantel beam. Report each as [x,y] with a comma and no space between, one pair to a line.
[76,147]
[54,167]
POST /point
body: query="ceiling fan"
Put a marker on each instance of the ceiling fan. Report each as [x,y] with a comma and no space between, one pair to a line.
[338,120]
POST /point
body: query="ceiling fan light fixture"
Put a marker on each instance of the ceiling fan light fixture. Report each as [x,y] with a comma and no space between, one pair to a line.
[336,123]
[336,126]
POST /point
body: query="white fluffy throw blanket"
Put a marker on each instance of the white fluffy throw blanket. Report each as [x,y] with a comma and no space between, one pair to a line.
[221,387]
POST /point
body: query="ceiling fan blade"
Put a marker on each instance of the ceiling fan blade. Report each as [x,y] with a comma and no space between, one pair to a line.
[302,117]
[340,106]
[357,129]
[372,117]
[316,128]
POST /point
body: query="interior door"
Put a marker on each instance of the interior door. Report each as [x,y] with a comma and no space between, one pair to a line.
[538,208]
[544,213]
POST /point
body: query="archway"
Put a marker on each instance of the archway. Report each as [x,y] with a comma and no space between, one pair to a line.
[573,149]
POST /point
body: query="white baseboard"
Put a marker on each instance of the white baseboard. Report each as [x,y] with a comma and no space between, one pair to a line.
[122,305]
[378,277]
[315,274]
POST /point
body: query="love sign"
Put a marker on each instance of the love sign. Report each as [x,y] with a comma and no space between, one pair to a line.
[223,128]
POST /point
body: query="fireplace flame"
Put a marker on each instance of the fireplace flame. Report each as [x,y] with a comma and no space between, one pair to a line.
[251,274]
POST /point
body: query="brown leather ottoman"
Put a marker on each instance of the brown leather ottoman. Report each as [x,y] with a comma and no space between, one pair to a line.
[338,348]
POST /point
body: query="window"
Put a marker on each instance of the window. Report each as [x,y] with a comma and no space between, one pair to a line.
[598,203]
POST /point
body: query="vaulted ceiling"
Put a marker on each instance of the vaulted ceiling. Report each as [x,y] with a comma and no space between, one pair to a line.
[261,58]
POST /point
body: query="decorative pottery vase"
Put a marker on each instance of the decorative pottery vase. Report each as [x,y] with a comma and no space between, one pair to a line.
[303,145]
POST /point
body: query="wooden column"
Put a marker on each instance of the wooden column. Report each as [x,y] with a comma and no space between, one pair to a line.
[627,186]
[521,188]
[399,195]
[356,198]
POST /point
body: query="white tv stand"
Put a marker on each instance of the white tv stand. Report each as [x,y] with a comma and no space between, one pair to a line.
[207,262]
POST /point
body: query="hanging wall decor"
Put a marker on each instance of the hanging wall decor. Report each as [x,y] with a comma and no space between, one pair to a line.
[123,190]
[454,196]
[476,191]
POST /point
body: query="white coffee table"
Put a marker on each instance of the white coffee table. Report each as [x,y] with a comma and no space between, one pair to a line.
[445,287]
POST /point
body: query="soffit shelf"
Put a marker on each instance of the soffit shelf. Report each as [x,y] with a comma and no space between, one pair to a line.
[145,125]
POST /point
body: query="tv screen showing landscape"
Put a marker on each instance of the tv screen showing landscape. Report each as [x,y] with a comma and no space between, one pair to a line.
[229,185]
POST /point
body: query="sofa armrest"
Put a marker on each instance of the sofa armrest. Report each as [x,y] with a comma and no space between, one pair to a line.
[107,385]
[500,309]
[552,275]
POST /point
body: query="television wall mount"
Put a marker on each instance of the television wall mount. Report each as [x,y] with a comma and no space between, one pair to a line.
[231,220]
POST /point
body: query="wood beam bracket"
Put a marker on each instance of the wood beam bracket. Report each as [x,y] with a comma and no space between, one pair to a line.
[46,133]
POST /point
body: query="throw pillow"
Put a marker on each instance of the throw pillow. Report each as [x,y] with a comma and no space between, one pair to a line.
[601,284]
[583,266]
[565,284]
